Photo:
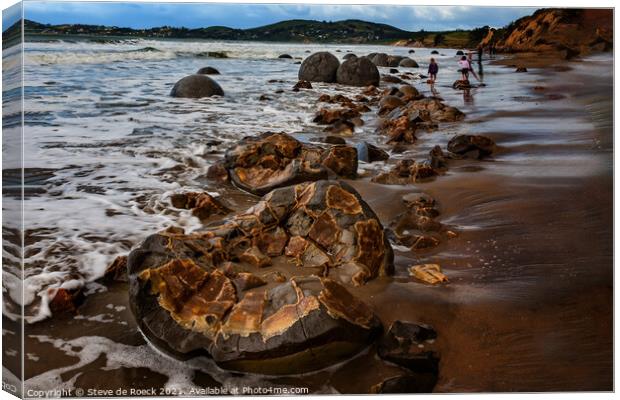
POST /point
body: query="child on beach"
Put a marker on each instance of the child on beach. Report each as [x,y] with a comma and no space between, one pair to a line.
[464,67]
[433,68]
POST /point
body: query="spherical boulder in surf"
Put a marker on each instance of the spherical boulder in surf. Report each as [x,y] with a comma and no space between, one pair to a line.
[208,71]
[408,63]
[196,86]
[266,290]
[319,67]
[358,71]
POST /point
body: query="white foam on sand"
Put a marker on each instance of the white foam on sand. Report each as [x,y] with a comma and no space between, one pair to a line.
[180,374]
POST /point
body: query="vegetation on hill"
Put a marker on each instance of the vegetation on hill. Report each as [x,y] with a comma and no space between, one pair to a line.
[347,31]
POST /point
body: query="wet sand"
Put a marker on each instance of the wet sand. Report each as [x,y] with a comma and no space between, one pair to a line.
[529,303]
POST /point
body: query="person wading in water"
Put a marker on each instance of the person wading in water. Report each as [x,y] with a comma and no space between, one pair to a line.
[433,68]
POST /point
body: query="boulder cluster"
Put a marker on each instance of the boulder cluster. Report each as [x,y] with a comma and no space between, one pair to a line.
[271,289]
[325,67]
[404,111]
[354,71]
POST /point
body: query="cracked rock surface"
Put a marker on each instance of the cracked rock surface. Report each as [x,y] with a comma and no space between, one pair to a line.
[266,290]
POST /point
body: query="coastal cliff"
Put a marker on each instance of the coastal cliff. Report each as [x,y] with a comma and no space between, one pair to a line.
[571,32]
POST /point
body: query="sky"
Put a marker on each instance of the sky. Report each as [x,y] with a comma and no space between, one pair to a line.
[193,15]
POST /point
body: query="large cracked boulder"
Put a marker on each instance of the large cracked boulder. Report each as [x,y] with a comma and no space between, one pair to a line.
[212,291]
[196,86]
[319,67]
[358,72]
[263,163]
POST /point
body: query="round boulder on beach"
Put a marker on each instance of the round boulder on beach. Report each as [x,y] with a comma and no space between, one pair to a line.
[196,86]
[379,59]
[394,61]
[358,72]
[408,63]
[319,67]
[208,71]
[210,293]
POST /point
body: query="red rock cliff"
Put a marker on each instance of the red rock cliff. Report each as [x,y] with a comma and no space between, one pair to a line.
[570,31]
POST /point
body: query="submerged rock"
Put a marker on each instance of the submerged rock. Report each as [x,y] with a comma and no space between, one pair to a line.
[391,79]
[461,84]
[285,56]
[216,54]
[326,116]
[332,140]
[203,205]
[272,160]
[411,346]
[472,146]
[358,72]
[521,69]
[65,300]
[196,86]
[117,270]
[192,293]
[406,172]
[416,227]
[319,67]
[302,85]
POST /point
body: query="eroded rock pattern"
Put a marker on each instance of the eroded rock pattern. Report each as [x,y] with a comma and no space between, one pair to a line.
[404,111]
[265,290]
[417,227]
[260,164]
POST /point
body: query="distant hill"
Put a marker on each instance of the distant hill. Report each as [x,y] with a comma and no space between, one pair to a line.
[348,31]
[297,30]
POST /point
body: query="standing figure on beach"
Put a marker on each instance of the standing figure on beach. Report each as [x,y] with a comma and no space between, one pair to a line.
[433,68]
[464,68]
[471,69]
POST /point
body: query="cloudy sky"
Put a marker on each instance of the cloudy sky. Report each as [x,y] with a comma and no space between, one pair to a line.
[141,15]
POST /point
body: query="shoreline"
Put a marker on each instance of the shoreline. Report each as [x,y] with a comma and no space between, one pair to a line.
[471,300]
